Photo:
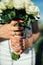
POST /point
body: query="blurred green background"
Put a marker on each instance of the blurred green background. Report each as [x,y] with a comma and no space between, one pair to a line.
[39,46]
[39,43]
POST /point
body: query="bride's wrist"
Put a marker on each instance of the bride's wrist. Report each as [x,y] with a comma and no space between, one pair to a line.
[29,42]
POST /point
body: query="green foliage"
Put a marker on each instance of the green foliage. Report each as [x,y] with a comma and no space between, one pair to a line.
[12,14]
[14,56]
[8,15]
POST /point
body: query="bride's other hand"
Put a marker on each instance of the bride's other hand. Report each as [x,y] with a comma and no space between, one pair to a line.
[16,44]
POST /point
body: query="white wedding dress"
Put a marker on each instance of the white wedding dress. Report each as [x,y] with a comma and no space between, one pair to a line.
[27,58]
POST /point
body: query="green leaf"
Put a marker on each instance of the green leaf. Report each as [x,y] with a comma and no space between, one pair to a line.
[14,56]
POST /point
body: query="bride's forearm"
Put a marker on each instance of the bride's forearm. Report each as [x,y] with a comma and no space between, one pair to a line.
[32,39]
[36,36]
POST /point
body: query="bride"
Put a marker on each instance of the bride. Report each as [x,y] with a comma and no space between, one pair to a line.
[8,37]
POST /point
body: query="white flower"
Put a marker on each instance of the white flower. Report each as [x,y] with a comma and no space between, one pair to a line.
[1,11]
[31,8]
[5,2]
[28,3]
[37,17]
[18,4]
[2,6]
[10,4]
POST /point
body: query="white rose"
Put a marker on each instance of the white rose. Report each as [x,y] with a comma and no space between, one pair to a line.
[27,3]
[31,9]
[1,11]
[5,2]
[37,17]
[10,4]
[2,6]
[18,4]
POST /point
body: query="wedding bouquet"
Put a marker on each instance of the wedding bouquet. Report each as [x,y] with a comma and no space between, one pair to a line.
[18,9]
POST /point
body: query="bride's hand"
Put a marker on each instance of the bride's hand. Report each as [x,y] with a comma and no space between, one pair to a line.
[17,49]
[7,30]
[26,43]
